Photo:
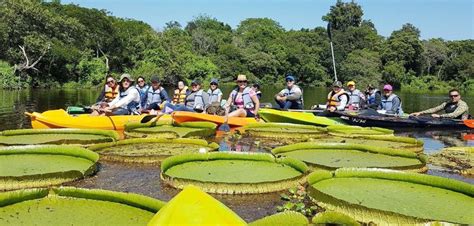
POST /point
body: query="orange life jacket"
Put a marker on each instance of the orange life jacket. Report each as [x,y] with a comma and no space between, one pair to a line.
[333,98]
[110,94]
[179,96]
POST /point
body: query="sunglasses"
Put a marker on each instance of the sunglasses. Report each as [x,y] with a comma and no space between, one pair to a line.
[126,80]
[242,81]
[141,81]
[110,81]
[213,84]
[386,90]
[289,81]
[453,95]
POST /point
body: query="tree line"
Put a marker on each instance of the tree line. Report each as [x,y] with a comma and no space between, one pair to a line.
[48,44]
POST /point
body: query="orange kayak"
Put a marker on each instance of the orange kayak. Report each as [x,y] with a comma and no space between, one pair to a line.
[61,119]
[184,116]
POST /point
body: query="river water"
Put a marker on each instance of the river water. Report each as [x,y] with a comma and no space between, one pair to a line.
[145,179]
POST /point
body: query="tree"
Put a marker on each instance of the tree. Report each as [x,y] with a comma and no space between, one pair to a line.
[364,66]
[344,15]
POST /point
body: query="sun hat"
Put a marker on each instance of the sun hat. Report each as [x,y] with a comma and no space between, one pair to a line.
[214,80]
[337,84]
[155,79]
[126,76]
[196,82]
[387,87]
[351,83]
[241,77]
[290,77]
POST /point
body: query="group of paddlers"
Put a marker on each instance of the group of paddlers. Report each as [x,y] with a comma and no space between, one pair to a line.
[124,98]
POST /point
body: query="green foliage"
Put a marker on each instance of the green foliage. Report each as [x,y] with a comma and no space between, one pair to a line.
[82,41]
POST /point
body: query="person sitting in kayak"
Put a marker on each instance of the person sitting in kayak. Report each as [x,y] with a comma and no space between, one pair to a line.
[356,97]
[196,100]
[244,99]
[110,91]
[142,89]
[215,94]
[126,103]
[390,103]
[374,97]
[337,98]
[180,93]
[454,108]
[256,88]
[155,95]
[291,97]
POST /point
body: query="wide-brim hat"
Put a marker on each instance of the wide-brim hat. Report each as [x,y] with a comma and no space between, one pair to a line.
[241,78]
[337,84]
[126,76]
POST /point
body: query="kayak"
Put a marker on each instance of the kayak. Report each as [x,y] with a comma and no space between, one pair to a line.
[381,120]
[185,116]
[61,119]
[306,118]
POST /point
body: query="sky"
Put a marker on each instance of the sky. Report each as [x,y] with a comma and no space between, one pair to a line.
[447,19]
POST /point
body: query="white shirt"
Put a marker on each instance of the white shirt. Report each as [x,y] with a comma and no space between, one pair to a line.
[133,95]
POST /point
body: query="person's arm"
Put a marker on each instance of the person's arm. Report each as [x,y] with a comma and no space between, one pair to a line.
[295,96]
[434,109]
[230,101]
[219,96]
[125,101]
[164,95]
[342,103]
[256,102]
[205,99]
[280,94]
[461,109]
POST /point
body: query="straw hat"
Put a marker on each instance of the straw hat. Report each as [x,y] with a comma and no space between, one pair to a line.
[241,78]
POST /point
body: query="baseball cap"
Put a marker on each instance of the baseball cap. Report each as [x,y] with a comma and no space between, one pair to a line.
[351,83]
[155,79]
[214,80]
[196,82]
[337,84]
[387,87]
[290,77]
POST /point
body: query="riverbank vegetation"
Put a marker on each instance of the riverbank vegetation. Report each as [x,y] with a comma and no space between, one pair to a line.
[48,44]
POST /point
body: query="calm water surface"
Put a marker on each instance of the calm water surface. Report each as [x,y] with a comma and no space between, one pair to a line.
[145,179]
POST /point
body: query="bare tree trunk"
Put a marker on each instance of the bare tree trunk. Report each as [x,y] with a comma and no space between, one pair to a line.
[107,67]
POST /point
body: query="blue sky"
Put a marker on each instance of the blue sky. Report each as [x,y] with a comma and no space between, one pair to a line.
[447,19]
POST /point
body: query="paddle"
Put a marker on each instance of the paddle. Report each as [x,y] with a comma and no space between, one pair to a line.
[469,123]
[224,126]
[332,50]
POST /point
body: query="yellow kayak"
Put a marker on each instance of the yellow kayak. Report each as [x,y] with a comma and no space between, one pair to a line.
[61,119]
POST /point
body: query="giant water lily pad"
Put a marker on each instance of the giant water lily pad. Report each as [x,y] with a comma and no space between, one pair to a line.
[393,197]
[38,166]
[188,129]
[353,131]
[287,218]
[75,206]
[395,142]
[332,156]
[233,172]
[279,131]
[56,136]
[150,150]
[455,159]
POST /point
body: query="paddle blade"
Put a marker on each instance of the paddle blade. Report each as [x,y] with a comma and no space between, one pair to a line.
[224,127]
[469,123]
[147,118]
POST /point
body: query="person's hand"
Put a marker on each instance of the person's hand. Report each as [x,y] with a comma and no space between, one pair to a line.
[435,116]
[257,118]
[332,109]
[415,114]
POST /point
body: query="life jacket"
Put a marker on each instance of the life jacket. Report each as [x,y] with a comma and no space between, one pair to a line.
[179,96]
[134,104]
[451,107]
[154,96]
[387,104]
[110,94]
[214,95]
[195,100]
[248,102]
[334,99]
[143,91]
[288,92]
[354,98]
[371,97]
